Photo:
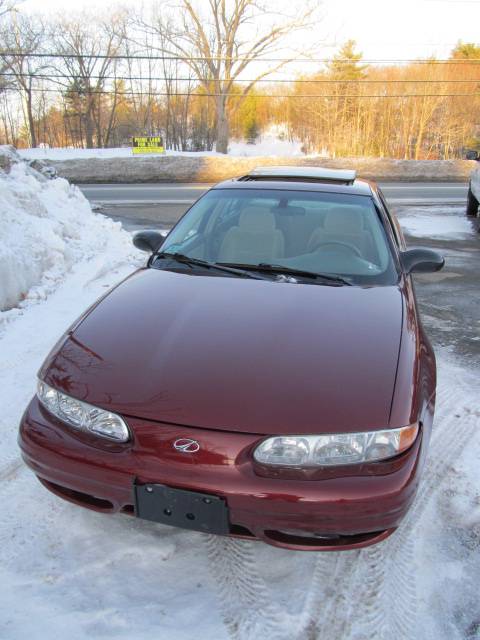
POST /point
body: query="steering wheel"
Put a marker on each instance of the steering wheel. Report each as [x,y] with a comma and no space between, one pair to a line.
[343,245]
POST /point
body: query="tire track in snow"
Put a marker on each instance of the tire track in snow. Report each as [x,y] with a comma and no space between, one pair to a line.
[327,566]
[247,608]
[359,595]
[383,592]
[22,537]
[388,570]
[326,600]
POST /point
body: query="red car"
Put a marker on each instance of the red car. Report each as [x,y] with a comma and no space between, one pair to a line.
[266,375]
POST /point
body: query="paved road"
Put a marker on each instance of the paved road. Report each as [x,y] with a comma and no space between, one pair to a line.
[184,194]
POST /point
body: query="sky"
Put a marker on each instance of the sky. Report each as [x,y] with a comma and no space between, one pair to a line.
[383,29]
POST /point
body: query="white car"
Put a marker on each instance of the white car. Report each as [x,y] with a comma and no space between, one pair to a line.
[473,197]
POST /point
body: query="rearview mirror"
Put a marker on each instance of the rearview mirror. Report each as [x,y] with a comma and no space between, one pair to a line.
[421,261]
[472,155]
[149,241]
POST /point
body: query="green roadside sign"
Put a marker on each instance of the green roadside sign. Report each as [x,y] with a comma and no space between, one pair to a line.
[147,144]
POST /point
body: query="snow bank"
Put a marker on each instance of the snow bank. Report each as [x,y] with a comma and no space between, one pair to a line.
[265,146]
[268,144]
[46,227]
[70,153]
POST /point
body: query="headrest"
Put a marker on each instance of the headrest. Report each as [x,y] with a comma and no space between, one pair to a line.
[257,218]
[289,211]
[346,220]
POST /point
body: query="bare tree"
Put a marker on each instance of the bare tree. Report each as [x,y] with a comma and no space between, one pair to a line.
[6,6]
[22,36]
[219,42]
[88,60]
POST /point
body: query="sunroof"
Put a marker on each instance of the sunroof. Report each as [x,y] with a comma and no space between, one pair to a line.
[319,174]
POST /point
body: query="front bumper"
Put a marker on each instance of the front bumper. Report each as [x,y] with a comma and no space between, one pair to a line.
[343,509]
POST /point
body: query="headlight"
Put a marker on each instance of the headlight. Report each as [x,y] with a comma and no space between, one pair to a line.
[335,449]
[82,416]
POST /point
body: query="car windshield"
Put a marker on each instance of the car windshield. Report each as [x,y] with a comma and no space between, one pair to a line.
[312,231]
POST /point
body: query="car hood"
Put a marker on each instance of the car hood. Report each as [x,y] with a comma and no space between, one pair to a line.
[236,354]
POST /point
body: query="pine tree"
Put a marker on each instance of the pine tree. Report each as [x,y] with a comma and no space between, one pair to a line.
[251,131]
[345,64]
[466,51]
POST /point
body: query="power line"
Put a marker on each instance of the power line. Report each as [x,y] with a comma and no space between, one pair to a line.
[236,95]
[73,78]
[460,61]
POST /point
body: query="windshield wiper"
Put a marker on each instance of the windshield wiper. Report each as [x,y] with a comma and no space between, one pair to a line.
[291,271]
[184,259]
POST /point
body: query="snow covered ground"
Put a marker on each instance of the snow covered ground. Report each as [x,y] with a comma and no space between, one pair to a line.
[266,145]
[69,572]
[446,222]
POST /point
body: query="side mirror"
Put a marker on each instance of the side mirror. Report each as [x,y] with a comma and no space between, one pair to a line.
[149,241]
[472,155]
[421,261]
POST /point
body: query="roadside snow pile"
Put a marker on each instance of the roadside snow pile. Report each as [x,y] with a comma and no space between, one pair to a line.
[266,145]
[273,141]
[47,227]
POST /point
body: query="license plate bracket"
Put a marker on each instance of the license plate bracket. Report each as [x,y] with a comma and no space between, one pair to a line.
[181,508]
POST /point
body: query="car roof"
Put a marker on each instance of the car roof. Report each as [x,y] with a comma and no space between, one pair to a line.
[347,176]
[301,179]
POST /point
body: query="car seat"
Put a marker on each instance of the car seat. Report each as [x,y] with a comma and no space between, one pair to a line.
[254,240]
